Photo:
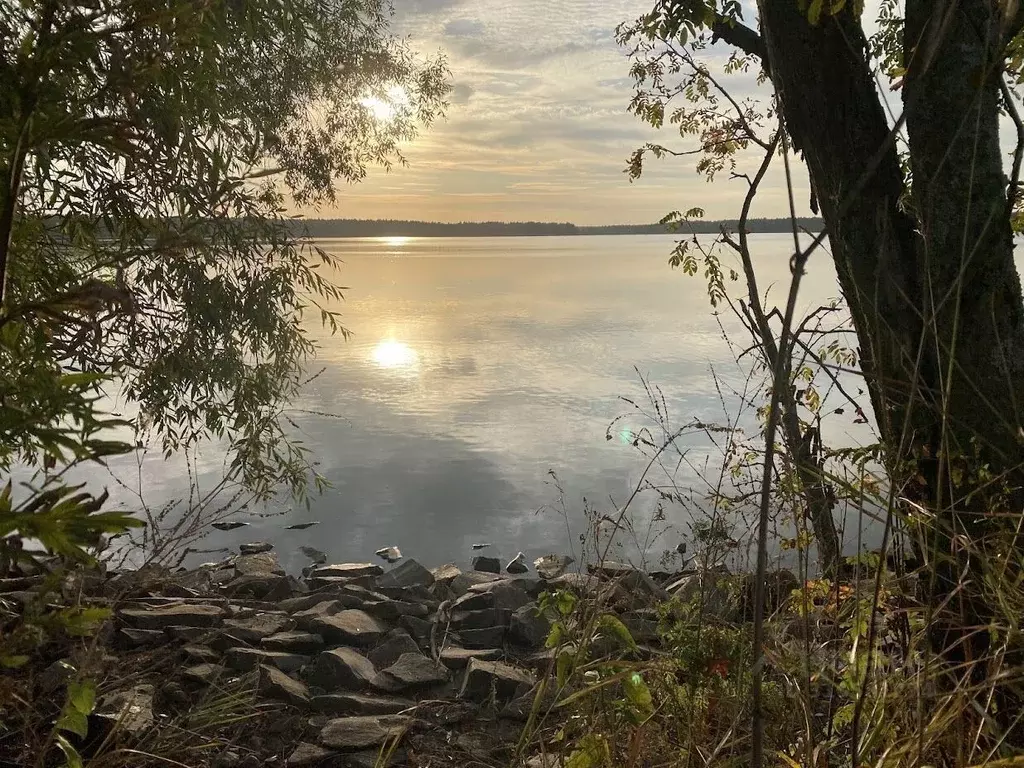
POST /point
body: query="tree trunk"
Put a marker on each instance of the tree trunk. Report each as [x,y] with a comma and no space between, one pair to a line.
[934,292]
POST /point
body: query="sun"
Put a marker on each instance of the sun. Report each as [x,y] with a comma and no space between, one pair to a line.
[394,354]
[387,104]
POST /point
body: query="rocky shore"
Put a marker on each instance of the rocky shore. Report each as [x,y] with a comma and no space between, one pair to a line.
[435,667]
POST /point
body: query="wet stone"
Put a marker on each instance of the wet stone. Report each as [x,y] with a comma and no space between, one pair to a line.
[397,642]
[486,564]
[409,574]
[255,547]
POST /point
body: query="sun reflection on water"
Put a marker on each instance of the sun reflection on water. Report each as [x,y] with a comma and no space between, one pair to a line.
[394,354]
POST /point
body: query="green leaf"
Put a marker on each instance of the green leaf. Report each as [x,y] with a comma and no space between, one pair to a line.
[73,721]
[591,752]
[82,696]
[563,666]
[638,695]
[82,622]
[612,626]
[71,757]
[13,662]
[555,635]
[814,12]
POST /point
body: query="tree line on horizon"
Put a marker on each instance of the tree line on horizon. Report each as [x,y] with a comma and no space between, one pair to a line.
[405,228]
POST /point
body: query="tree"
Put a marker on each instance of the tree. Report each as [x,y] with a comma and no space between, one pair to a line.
[147,153]
[919,211]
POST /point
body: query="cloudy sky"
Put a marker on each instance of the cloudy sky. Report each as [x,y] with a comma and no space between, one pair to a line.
[538,128]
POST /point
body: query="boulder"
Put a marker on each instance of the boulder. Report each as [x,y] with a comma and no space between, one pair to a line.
[350,627]
[293,642]
[203,673]
[412,670]
[275,684]
[259,564]
[341,668]
[552,566]
[409,574]
[445,573]
[486,564]
[352,733]
[462,583]
[161,617]
[305,619]
[307,602]
[389,610]
[493,682]
[507,594]
[253,585]
[200,653]
[482,619]
[307,755]
[489,637]
[397,642]
[245,659]
[254,628]
[458,658]
[347,570]
[255,548]
[517,566]
[418,628]
[359,704]
[528,628]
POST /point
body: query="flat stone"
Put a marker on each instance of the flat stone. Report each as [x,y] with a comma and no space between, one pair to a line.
[462,583]
[258,586]
[397,642]
[493,681]
[347,570]
[293,642]
[139,638]
[509,593]
[190,634]
[457,658]
[165,616]
[262,563]
[488,617]
[304,619]
[341,668]
[307,755]
[245,659]
[131,709]
[359,704]
[255,547]
[350,627]
[417,627]
[275,684]
[580,583]
[412,670]
[528,628]
[253,629]
[390,610]
[409,574]
[486,564]
[552,566]
[445,573]
[351,733]
[203,673]
[490,637]
[200,653]
[310,601]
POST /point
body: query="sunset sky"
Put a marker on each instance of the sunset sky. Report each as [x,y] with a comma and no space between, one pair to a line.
[538,127]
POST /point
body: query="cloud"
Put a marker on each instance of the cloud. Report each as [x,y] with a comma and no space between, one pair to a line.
[464,28]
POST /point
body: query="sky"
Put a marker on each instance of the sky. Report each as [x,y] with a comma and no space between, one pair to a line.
[538,127]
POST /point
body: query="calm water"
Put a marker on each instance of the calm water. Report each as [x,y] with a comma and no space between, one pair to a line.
[478,365]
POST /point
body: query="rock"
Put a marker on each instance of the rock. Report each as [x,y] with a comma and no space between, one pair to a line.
[131,709]
[350,627]
[308,602]
[389,554]
[418,628]
[517,565]
[139,638]
[161,617]
[506,594]
[245,659]
[252,630]
[528,628]
[190,634]
[350,733]
[490,637]
[445,573]
[203,673]
[552,566]
[255,548]
[390,610]
[493,682]
[458,658]
[341,668]
[347,570]
[359,704]
[371,758]
[293,642]
[260,564]
[630,578]
[305,619]
[412,670]
[408,574]
[488,617]
[254,585]
[580,583]
[462,583]
[716,594]
[307,755]
[200,653]
[275,684]
[391,648]
[486,564]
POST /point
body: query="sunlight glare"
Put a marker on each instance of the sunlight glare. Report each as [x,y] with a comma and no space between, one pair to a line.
[394,354]
[385,105]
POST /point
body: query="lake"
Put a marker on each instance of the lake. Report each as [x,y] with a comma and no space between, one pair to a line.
[479,365]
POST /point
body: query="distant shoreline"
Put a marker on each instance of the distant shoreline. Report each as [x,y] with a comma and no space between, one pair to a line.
[396,228]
